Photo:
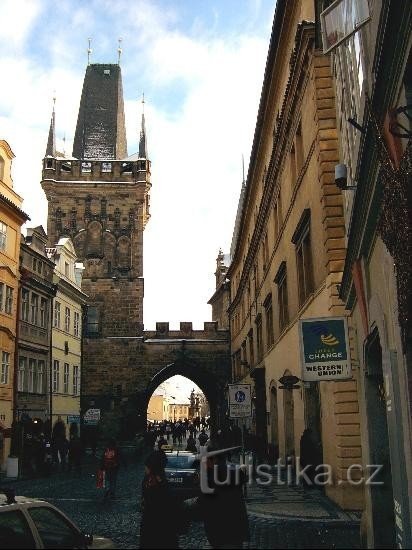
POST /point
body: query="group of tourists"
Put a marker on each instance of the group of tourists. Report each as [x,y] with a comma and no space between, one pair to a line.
[43,451]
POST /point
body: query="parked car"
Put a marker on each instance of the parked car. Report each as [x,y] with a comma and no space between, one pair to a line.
[182,473]
[34,523]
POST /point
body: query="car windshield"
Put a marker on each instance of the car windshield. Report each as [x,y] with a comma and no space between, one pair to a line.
[180,461]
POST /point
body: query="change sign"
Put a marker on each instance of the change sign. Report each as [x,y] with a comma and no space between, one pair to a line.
[324,346]
[240,400]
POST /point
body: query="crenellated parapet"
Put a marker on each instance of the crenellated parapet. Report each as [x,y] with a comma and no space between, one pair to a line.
[96,171]
[186,332]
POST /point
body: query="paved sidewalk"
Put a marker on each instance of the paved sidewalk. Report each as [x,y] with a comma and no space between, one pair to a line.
[295,502]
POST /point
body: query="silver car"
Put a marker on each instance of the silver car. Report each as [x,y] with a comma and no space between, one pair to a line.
[33,523]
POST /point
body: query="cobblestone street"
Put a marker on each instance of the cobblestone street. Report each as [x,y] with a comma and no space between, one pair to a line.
[120,519]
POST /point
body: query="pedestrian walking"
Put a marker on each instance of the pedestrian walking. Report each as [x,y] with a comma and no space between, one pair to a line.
[191,444]
[224,511]
[110,463]
[75,453]
[203,438]
[159,524]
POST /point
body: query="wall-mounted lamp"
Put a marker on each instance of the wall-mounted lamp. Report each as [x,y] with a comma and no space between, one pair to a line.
[341,177]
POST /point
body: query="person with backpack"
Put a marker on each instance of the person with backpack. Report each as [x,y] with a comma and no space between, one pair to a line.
[110,463]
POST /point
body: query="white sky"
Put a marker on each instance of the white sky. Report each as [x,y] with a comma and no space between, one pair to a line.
[201,67]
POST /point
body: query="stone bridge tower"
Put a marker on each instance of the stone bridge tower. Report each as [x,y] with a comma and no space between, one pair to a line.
[100,198]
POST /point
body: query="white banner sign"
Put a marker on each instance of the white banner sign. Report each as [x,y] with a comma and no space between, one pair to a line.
[240,400]
[92,417]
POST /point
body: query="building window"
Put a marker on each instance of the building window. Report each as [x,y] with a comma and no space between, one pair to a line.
[34,264]
[76,380]
[302,242]
[67,320]
[3,236]
[43,312]
[32,375]
[1,296]
[34,308]
[251,348]
[265,253]
[269,320]
[21,373]
[57,314]
[8,306]
[259,346]
[56,376]
[66,269]
[40,376]
[39,267]
[277,217]
[5,366]
[92,320]
[76,323]
[25,295]
[281,282]
[66,374]
[299,149]
[292,161]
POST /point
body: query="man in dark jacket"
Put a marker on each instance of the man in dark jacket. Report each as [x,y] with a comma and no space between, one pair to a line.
[159,527]
[224,511]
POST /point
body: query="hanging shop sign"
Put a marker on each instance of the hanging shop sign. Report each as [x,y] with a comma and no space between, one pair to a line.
[240,400]
[91,417]
[324,346]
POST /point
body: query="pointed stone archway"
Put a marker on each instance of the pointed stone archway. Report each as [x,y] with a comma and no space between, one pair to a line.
[121,383]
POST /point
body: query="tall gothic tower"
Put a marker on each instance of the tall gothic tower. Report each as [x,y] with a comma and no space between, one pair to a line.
[100,198]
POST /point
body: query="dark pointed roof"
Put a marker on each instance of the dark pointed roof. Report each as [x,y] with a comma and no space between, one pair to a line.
[100,131]
[143,140]
[51,142]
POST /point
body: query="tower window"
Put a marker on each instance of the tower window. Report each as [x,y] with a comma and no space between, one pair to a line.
[86,166]
[106,71]
[92,320]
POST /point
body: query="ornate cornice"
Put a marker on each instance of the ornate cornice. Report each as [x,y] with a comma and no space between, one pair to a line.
[304,43]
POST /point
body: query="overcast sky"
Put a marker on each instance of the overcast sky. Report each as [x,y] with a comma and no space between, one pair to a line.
[200,64]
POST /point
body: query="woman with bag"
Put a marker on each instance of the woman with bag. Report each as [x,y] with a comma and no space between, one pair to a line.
[160,524]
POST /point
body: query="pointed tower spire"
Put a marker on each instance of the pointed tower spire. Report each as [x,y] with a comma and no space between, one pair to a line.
[142,140]
[51,142]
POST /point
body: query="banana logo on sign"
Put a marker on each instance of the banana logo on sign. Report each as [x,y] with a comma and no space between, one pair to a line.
[327,339]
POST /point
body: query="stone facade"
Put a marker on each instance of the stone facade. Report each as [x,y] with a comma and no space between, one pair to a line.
[100,199]
[288,255]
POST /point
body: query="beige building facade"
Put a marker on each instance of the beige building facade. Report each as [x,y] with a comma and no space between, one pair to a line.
[11,220]
[158,408]
[288,257]
[178,411]
[68,314]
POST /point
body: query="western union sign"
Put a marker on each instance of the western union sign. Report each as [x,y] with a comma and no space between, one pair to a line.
[324,346]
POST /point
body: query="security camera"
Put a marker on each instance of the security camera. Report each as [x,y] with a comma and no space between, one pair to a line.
[341,176]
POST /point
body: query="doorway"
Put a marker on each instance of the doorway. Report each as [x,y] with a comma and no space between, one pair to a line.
[274,428]
[383,518]
[288,410]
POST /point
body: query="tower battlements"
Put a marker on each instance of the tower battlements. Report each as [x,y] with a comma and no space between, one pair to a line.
[186,332]
[96,171]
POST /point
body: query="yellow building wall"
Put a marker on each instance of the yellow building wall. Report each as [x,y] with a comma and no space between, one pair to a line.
[157,408]
[9,276]
[65,404]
